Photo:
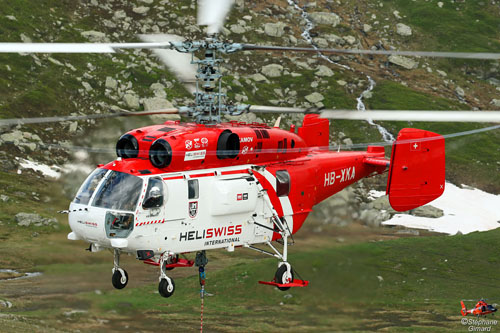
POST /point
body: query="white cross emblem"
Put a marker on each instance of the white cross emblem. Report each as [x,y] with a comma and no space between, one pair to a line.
[415,146]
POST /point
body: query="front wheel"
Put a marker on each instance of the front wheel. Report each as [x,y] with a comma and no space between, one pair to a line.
[282,277]
[119,281]
[165,288]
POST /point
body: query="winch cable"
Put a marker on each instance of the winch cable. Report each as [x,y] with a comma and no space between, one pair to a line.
[200,261]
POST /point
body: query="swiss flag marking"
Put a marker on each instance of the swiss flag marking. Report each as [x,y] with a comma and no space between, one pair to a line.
[415,146]
[239,196]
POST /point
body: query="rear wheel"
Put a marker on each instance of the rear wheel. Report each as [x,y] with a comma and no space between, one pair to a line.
[282,277]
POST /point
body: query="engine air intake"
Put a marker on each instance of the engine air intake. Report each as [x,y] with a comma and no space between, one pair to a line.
[127,146]
[228,145]
[160,153]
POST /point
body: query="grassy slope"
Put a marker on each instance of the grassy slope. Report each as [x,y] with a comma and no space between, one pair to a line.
[423,282]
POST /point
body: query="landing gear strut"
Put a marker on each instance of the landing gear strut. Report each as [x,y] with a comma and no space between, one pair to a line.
[166,287]
[120,276]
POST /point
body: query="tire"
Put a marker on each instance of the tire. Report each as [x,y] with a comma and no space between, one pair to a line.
[280,276]
[165,289]
[117,279]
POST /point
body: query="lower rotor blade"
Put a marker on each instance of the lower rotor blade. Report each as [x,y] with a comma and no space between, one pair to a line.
[391,115]
[123,113]
[76,47]
[459,55]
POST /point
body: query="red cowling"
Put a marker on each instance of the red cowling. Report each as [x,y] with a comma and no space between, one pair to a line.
[417,169]
[315,131]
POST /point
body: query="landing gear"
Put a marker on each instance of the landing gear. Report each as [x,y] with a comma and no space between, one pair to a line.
[166,287]
[284,275]
[120,276]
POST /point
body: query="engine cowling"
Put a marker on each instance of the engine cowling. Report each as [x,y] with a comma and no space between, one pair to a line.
[160,153]
[127,146]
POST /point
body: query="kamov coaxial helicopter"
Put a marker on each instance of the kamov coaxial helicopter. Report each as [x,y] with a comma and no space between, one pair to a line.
[178,188]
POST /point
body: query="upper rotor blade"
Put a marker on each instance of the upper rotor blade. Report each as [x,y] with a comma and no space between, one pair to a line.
[212,13]
[460,55]
[76,47]
[123,113]
[393,115]
[178,63]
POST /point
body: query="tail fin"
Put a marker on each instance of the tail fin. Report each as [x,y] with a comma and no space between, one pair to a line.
[315,131]
[417,169]
[464,309]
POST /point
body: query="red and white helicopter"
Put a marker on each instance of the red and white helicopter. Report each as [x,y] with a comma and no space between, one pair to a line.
[179,187]
[480,309]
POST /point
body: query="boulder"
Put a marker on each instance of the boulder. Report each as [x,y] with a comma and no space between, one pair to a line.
[367,28]
[95,36]
[142,10]
[314,98]
[427,211]
[274,29]
[12,137]
[350,39]
[403,29]
[131,100]
[28,219]
[460,92]
[403,62]
[111,83]
[237,29]
[258,77]
[495,102]
[325,18]
[272,70]
[324,71]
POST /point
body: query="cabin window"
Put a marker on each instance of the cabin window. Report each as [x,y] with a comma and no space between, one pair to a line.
[154,194]
[193,189]
[120,191]
[282,183]
[89,187]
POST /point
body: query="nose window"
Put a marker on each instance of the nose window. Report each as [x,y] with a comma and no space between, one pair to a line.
[154,194]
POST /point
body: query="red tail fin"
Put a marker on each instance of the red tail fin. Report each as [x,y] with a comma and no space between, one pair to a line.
[464,309]
[417,170]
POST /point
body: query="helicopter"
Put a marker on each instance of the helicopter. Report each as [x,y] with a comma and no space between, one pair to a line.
[480,309]
[178,188]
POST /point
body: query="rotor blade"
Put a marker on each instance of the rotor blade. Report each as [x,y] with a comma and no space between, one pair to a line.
[460,55]
[212,13]
[77,47]
[178,63]
[392,115]
[123,113]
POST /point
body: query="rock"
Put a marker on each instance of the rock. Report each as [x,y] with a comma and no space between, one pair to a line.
[274,29]
[325,18]
[119,15]
[4,198]
[25,39]
[27,219]
[5,304]
[258,77]
[237,29]
[347,141]
[142,10]
[341,83]
[496,102]
[111,83]
[55,62]
[442,73]
[314,98]
[87,86]
[367,28]
[320,42]
[11,17]
[324,71]
[440,4]
[131,100]
[156,103]
[367,94]
[396,14]
[272,70]
[427,211]
[403,29]
[460,92]
[350,39]
[73,126]
[403,62]
[95,36]
[379,278]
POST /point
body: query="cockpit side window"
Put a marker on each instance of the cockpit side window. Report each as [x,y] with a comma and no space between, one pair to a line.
[154,194]
[193,189]
[85,193]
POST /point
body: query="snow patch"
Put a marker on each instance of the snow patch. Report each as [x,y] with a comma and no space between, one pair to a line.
[465,210]
[49,171]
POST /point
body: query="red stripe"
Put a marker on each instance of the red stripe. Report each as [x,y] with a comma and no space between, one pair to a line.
[203,175]
[233,172]
[171,178]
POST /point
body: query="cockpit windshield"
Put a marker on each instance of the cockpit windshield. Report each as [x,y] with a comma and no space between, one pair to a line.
[119,191]
[83,196]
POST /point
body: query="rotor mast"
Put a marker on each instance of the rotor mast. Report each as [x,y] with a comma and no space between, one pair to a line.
[210,102]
